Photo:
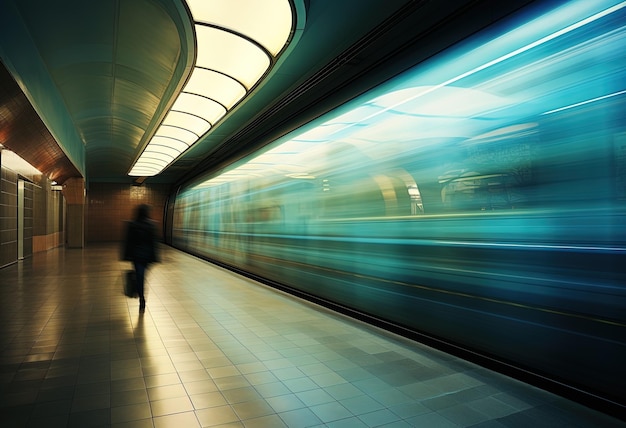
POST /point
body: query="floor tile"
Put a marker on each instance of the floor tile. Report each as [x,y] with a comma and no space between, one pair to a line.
[187,420]
[252,409]
[132,412]
[170,406]
[216,349]
[300,418]
[167,391]
[215,416]
[330,412]
[125,398]
[208,399]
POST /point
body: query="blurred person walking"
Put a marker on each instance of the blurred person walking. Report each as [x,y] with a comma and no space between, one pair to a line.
[140,247]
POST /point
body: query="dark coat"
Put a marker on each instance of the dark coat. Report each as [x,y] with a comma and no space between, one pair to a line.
[140,244]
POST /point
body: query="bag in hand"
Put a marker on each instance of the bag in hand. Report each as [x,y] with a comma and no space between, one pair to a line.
[130,284]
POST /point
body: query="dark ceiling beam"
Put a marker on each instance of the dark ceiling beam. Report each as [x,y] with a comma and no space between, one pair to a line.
[23,132]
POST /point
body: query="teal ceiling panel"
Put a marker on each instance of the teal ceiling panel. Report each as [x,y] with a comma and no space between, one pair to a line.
[69,30]
[147,38]
[129,96]
[113,65]
[85,93]
[151,81]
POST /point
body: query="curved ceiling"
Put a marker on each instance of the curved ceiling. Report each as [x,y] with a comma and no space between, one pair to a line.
[115,66]
[114,80]
[237,42]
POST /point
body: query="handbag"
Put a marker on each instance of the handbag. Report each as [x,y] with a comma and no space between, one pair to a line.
[130,284]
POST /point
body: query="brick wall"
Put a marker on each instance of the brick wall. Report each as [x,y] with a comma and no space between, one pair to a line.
[109,205]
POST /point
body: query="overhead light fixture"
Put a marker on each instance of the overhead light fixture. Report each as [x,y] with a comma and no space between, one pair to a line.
[238,41]
[18,164]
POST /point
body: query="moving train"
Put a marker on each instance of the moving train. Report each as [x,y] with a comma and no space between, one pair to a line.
[477,199]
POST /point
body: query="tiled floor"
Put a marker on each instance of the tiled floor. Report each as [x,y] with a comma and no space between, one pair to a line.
[215,349]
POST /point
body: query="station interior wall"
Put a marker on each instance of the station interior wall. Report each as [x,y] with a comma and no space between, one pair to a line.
[43,214]
[110,205]
[107,208]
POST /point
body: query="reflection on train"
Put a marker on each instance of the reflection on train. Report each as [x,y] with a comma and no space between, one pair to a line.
[478,198]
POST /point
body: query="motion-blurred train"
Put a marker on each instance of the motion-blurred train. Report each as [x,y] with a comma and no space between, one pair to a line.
[478,199]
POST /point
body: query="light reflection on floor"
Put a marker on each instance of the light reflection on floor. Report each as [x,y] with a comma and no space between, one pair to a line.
[215,349]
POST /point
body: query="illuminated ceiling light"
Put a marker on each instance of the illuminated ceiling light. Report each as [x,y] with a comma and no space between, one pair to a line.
[146,170]
[173,143]
[210,110]
[164,149]
[15,162]
[222,88]
[248,18]
[161,157]
[192,122]
[153,163]
[237,42]
[177,133]
[230,54]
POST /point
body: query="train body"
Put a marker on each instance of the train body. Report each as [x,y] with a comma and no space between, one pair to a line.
[478,198]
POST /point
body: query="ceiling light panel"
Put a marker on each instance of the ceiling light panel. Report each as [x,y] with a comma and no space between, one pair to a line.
[156,158]
[231,55]
[163,149]
[249,18]
[223,89]
[177,133]
[206,108]
[144,172]
[189,121]
[148,167]
[173,143]
[237,42]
